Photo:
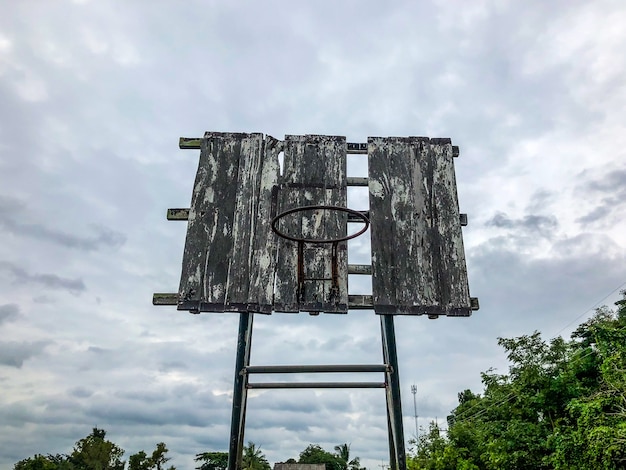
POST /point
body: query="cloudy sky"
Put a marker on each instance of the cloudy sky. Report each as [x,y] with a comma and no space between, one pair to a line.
[93,98]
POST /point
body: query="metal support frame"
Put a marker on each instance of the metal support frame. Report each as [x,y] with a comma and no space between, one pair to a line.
[240,391]
[391,384]
[397,453]
[243,369]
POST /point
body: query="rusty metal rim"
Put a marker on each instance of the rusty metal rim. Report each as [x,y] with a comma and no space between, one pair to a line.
[366,222]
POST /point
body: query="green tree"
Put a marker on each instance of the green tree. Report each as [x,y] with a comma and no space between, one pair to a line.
[595,435]
[37,462]
[315,454]
[212,460]
[343,452]
[141,460]
[253,458]
[562,406]
[159,459]
[94,452]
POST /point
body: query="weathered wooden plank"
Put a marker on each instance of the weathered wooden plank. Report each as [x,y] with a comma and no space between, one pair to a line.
[209,244]
[388,199]
[418,261]
[314,174]
[243,229]
[449,264]
[263,260]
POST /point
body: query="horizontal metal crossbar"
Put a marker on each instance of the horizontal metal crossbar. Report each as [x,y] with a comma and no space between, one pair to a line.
[355,301]
[352,147]
[316,385]
[357,181]
[360,269]
[323,368]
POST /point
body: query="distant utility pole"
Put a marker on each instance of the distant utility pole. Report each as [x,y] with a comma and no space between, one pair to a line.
[414,392]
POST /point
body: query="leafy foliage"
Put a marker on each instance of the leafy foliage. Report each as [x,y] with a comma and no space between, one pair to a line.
[141,460]
[315,454]
[95,452]
[343,452]
[561,406]
[253,458]
[212,460]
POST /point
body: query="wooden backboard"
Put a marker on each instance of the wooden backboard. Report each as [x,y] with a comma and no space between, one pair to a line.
[233,261]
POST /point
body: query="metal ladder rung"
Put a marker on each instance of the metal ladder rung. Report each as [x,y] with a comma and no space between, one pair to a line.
[316,368]
[274,385]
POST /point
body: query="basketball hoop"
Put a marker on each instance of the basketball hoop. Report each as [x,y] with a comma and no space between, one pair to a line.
[357,214]
[333,241]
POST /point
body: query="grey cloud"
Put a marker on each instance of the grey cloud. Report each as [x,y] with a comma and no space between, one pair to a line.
[50,281]
[613,186]
[541,224]
[550,291]
[80,392]
[42,299]
[13,354]
[586,243]
[8,312]
[539,200]
[170,411]
[597,214]
[169,366]
[614,181]
[97,350]
[103,237]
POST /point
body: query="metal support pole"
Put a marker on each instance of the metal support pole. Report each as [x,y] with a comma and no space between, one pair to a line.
[240,391]
[397,453]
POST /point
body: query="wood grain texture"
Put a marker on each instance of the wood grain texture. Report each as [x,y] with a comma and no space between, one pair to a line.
[263,260]
[222,248]
[418,260]
[314,174]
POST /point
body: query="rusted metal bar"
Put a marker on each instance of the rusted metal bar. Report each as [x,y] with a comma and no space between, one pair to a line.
[316,385]
[319,368]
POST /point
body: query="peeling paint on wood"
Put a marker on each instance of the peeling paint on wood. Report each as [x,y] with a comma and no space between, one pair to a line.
[418,261]
[230,197]
[233,261]
[314,174]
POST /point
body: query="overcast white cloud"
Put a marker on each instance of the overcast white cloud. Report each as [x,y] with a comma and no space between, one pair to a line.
[93,98]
